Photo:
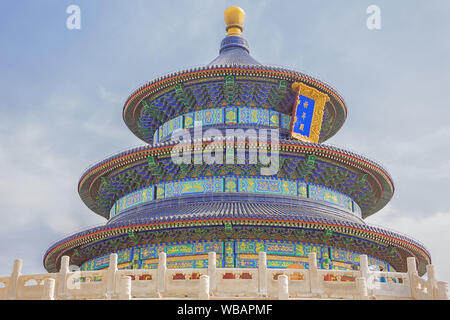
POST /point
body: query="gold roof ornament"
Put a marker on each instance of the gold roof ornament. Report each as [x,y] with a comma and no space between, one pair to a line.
[234,18]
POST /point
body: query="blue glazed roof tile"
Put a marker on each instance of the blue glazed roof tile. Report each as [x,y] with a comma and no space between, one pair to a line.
[233,51]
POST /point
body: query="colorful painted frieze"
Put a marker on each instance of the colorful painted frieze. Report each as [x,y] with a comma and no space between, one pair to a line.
[302,190]
[356,209]
[274,119]
[321,193]
[237,253]
[248,115]
[224,115]
[124,255]
[160,133]
[124,266]
[229,255]
[212,116]
[230,184]
[280,248]
[100,262]
[344,256]
[209,185]
[112,211]
[160,189]
[231,115]
[189,119]
[309,248]
[172,189]
[179,249]
[269,186]
[285,262]
[380,263]
[149,252]
[247,246]
[156,136]
[219,184]
[254,116]
[285,121]
[133,199]
[181,264]
[273,261]
[149,265]
[165,129]
[246,261]
[208,246]
[338,265]
[172,125]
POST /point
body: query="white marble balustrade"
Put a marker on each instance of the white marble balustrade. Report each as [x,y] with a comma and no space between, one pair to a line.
[217,283]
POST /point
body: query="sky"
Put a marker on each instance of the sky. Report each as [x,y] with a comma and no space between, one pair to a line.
[62,92]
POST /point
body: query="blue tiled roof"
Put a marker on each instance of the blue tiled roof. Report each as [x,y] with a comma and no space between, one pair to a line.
[234,50]
[226,210]
[235,206]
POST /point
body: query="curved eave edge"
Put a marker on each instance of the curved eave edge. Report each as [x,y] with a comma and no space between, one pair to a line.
[165,81]
[91,176]
[101,233]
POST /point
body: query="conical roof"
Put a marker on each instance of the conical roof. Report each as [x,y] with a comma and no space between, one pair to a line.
[234,50]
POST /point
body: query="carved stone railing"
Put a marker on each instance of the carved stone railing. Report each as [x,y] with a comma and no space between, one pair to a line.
[217,283]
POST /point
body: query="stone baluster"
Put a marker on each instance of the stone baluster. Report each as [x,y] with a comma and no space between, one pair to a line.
[361,287]
[364,266]
[431,282]
[63,276]
[412,274]
[125,288]
[111,275]
[49,289]
[14,279]
[283,287]
[365,272]
[442,290]
[262,273]
[162,270]
[212,268]
[204,288]
[313,274]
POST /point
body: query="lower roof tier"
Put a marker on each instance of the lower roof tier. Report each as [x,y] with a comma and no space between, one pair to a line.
[258,222]
[343,174]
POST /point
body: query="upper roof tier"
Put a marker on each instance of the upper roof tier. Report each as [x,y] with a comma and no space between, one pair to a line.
[234,49]
[233,79]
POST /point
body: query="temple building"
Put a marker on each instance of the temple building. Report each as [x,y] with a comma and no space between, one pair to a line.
[316,199]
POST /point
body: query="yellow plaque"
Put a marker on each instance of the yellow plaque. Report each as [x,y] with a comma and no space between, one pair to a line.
[307,112]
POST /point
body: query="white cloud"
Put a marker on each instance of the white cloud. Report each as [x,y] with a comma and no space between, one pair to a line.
[37,181]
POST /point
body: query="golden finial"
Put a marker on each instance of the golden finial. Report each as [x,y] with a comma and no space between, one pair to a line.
[234,18]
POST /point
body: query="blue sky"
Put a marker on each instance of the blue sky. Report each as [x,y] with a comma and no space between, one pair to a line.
[62,93]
